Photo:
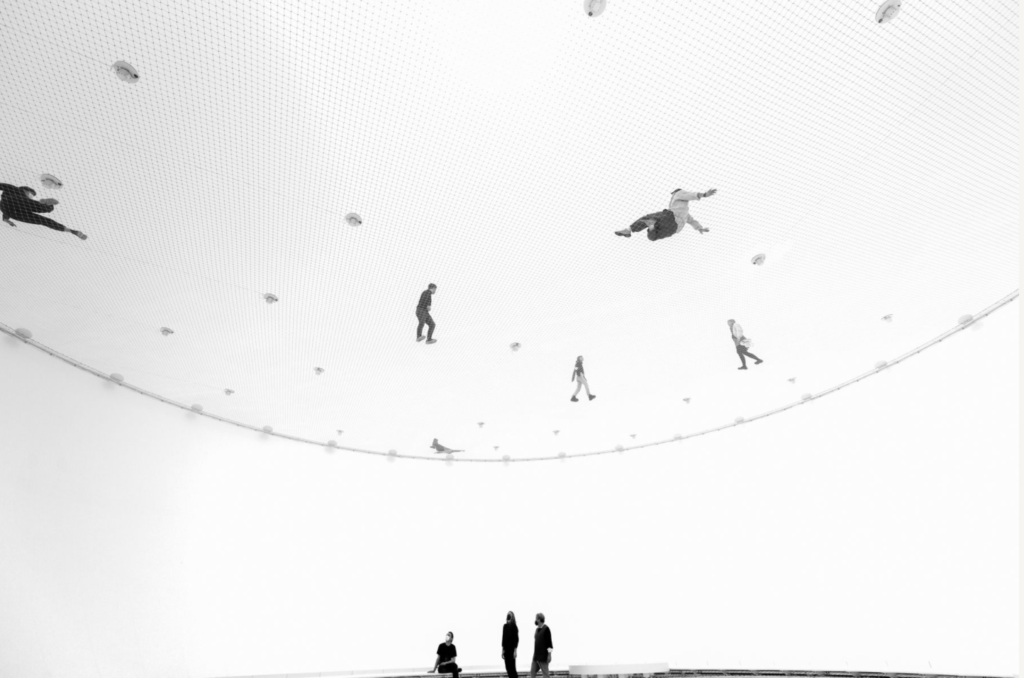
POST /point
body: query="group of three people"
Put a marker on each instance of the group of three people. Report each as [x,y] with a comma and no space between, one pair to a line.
[542,647]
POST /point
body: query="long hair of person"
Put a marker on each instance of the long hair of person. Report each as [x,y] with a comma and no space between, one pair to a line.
[512,618]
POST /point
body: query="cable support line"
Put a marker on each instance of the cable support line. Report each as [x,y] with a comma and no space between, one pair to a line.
[5,329]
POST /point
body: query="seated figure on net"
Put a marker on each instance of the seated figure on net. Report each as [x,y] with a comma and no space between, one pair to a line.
[18,202]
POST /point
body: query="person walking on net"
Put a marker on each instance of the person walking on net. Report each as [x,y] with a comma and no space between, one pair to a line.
[669,222]
[542,647]
[423,314]
[18,202]
[742,344]
[581,380]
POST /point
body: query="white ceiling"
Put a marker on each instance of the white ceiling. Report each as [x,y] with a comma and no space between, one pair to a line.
[493,148]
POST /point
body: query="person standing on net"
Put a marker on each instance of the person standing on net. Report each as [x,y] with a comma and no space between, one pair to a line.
[669,222]
[580,379]
[423,314]
[18,202]
[509,643]
[542,647]
[742,343]
[445,662]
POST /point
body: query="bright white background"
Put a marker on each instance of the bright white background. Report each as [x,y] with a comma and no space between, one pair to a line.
[879,524]
[493,148]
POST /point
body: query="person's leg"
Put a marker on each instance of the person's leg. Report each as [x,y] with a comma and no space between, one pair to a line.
[739,352]
[430,327]
[586,387]
[510,664]
[544,667]
[31,218]
[757,361]
[533,668]
[575,393]
[419,328]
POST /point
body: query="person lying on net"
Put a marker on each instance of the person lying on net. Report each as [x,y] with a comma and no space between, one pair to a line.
[18,202]
[669,222]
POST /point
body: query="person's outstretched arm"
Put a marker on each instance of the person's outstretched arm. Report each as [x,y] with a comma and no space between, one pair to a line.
[9,187]
[696,224]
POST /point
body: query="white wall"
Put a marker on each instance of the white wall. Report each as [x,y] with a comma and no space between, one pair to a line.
[879,524]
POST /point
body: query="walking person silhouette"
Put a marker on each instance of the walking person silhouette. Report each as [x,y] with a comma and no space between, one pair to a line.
[581,380]
[18,202]
[423,314]
[742,344]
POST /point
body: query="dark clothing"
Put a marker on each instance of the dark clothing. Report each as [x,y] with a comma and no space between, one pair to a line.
[424,317]
[446,651]
[510,664]
[539,666]
[664,225]
[449,668]
[509,636]
[16,205]
[424,301]
[578,372]
[541,644]
[743,353]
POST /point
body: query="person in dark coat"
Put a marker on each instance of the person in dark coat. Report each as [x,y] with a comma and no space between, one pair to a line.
[542,647]
[18,202]
[423,314]
[445,662]
[509,643]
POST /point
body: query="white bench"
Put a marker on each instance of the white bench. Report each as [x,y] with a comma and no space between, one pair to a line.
[620,670]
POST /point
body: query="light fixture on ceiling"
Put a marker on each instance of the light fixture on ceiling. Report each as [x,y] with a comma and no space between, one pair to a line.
[792,380]
[633,436]
[480,424]
[270,298]
[166,331]
[50,181]
[881,364]
[686,400]
[594,7]
[620,448]
[887,318]
[758,260]
[806,396]
[332,443]
[515,346]
[505,459]
[965,319]
[678,436]
[228,391]
[561,456]
[197,408]
[318,370]
[268,429]
[740,420]
[556,431]
[353,219]
[23,333]
[126,72]
[118,378]
[887,11]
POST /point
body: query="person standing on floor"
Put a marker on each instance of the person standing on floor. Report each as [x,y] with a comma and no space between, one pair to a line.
[18,202]
[580,379]
[742,343]
[509,643]
[669,222]
[445,662]
[542,647]
[423,314]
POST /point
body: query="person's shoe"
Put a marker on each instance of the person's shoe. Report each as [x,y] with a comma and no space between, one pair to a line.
[431,341]
[10,223]
[81,235]
[758,362]
[625,233]
[574,399]
[592,397]
[419,338]
[742,368]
